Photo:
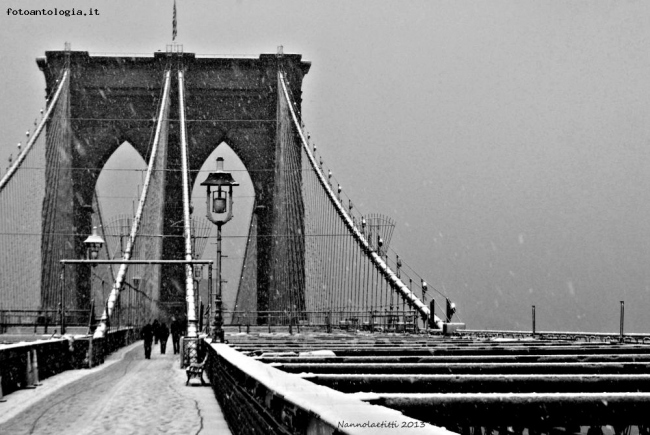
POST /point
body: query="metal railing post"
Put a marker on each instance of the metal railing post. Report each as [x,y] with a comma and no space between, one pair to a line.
[622,319]
[62,299]
[533,320]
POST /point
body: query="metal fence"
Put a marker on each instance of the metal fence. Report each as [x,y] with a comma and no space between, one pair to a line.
[371,321]
[44,318]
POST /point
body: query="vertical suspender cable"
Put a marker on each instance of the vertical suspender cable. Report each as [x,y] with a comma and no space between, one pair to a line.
[320,246]
[330,258]
[340,241]
[311,237]
[337,265]
[322,284]
[356,287]
[346,271]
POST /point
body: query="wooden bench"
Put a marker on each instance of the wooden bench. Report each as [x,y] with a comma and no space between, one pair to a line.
[195,370]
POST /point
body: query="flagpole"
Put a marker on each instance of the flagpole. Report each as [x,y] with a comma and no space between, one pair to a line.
[174,31]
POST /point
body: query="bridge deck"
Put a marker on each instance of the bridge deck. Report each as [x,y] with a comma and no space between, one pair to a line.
[448,382]
[126,394]
[466,382]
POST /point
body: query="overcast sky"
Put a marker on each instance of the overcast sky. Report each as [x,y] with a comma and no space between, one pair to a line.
[510,140]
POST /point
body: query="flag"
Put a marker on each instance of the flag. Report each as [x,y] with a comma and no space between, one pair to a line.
[174,23]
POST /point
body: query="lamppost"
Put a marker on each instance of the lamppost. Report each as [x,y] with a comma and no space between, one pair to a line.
[93,244]
[219,211]
[198,275]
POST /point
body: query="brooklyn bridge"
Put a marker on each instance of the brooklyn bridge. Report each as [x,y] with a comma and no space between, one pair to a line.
[328,330]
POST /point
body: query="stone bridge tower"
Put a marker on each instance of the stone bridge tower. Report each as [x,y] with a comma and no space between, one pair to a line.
[233,100]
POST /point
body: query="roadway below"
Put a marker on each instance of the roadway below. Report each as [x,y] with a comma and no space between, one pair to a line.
[126,395]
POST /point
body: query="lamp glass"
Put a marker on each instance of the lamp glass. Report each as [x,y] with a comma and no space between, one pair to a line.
[218,203]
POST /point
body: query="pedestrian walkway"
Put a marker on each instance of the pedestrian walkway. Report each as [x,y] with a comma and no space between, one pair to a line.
[126,395]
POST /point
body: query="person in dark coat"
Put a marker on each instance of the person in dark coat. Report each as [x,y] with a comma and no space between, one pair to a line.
[147,335]
[163,335]
[156,328]
[176,330]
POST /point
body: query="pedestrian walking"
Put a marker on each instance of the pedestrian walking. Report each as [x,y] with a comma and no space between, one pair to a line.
[156,327]
[176,334]
[147,335]
[163,335]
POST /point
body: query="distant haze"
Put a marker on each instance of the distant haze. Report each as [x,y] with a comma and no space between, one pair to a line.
[509,140]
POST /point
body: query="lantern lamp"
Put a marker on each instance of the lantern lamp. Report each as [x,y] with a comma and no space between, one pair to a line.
[93,243]
[219,194]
